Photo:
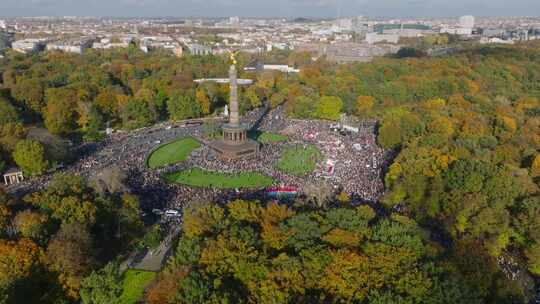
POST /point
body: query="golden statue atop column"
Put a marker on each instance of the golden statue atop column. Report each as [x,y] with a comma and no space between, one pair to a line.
[235,142]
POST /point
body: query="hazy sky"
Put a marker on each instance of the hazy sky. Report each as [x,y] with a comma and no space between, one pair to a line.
[269,8]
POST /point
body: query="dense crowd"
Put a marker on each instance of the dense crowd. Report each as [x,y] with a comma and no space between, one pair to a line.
[357,161]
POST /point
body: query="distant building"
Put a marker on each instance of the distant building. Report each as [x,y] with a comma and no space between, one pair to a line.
[27,46]
[493,33]
[199,49]
[107,43]
[70,46]
[3,24]
[457,31]
[466,22]
[464,28]
[161,42]
[272,67]
[277,45]
[101,45]
[356,52]
[407,32]
[495,40]
[372,38]
[384,27]
[358,23]
[343,25]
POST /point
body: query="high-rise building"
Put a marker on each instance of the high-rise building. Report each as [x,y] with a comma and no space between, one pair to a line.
[5,39]
[466,22]
[234,20]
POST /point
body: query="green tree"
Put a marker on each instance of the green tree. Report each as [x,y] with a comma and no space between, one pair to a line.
[30,156]
[193,289]
[95,126]
[102,286]
[2,163]
[137,114]
[182,107]
[329,107]
[68,199]
[399,126]
[8,113]
[304,107]
[30,92]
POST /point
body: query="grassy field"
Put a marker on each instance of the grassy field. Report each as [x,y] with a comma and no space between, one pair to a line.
[172,153]
[135,281]
[299,160]
[267,137]
[200,178]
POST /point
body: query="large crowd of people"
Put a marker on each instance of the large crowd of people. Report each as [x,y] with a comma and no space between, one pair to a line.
[356,162]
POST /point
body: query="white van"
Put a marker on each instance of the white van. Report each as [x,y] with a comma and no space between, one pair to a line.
[171,212]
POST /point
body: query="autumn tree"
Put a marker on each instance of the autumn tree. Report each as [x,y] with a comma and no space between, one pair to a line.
[364,105]
[164,290]
[204,102]
[10,135]
[535,166]
[71,253]
[60,113]
[32,225]
[18,260]
[252,252]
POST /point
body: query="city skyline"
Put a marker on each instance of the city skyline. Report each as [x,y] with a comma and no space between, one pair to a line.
[259,8]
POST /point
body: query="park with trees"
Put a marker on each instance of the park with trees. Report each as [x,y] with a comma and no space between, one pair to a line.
[461,203]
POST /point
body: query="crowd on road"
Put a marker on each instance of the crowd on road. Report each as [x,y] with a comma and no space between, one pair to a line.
[356,160]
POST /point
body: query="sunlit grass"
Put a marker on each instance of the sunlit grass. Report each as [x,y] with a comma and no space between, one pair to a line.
[135,282]
[172,153]
[201,178]
[299,160]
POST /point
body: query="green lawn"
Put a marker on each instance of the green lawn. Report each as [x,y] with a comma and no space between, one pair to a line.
[201,178]
[172,153]
[299,160]
[135,282]
[267,137]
